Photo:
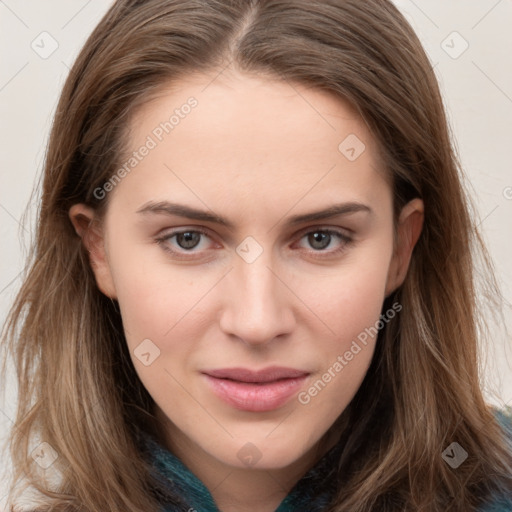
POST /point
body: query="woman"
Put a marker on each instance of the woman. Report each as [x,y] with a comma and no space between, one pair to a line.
[252,283]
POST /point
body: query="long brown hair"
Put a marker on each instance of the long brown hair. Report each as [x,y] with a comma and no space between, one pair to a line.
[78,390]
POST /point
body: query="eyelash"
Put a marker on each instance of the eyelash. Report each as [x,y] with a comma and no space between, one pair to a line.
[183,254]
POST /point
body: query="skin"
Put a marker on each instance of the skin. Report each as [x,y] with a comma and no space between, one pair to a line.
[256,152]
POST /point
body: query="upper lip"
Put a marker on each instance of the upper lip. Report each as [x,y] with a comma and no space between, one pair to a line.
[270,374]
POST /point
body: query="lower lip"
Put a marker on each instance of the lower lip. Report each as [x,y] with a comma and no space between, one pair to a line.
[255,397]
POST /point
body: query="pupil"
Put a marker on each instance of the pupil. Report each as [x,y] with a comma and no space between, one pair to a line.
[319,240]
[188,239]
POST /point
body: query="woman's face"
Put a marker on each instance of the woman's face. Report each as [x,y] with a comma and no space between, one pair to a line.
[253,234]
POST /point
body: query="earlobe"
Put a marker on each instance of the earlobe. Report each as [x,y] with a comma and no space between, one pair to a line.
[89,229]
[410,225]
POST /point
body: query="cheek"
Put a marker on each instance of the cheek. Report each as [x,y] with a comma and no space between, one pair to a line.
[351,307]
[348,300]
[160,324]
[152,296]
[158,309]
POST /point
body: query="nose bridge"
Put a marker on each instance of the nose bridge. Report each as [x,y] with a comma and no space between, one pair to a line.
[257,308]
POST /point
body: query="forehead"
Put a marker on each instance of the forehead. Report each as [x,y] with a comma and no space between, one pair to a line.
[227,134]
[261,106]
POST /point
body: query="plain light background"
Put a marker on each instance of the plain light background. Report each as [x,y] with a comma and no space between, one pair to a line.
[469,43]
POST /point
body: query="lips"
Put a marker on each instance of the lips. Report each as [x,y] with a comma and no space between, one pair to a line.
[266,375]
[255,391]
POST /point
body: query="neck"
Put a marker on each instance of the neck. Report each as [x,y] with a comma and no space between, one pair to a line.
[236,489]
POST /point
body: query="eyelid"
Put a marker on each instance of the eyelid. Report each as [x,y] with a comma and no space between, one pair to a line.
[168,232]
[345,242]
[178,255]
[193,229]
[345,232]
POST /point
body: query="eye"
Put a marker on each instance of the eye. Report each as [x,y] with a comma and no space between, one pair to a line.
[319,239]
[184,241]
[329,241]
[188,239]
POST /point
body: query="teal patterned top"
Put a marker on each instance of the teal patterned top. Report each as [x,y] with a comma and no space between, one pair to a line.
[174,475]
[502,504]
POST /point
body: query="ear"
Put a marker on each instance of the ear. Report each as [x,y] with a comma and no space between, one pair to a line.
[410,224]
[90,230]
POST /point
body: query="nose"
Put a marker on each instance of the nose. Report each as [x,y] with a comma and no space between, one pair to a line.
[257,307]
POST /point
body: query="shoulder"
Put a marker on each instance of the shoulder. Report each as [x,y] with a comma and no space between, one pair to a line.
[501,503]
[504,416]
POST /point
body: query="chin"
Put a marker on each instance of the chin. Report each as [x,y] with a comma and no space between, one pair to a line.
[262,454]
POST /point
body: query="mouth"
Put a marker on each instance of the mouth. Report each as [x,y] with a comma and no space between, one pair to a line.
[256,391]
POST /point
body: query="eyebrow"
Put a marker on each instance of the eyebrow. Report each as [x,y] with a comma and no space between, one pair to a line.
[181,210]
